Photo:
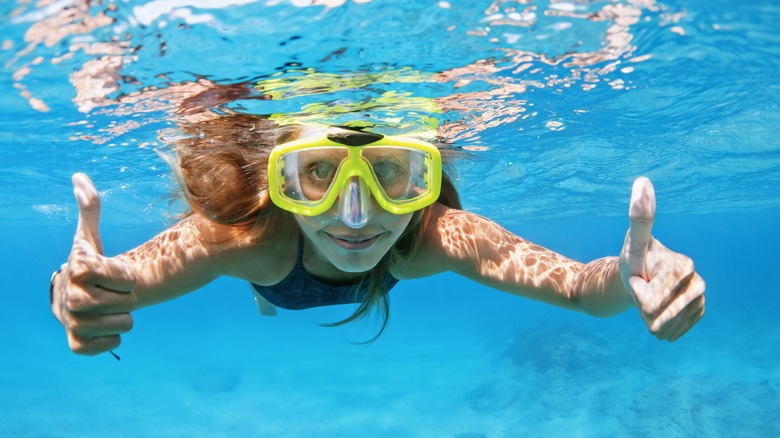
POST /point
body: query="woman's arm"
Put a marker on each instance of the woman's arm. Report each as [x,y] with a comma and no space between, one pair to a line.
[661,283]
[196,251]
[480,249]
[173,263]
[93,295]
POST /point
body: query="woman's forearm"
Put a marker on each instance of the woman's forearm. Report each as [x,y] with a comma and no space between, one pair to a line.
[482,250]
[171,264]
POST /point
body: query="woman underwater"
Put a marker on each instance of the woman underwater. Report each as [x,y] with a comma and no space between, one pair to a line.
[314,216]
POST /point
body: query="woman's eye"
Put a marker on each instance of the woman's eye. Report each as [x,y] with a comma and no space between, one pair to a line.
[321,169]
[387,169]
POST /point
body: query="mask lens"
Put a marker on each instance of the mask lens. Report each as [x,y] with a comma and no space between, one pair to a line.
[309,173]
[403,173]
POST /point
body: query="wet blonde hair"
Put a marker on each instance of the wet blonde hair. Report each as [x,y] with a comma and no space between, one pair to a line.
[221,165]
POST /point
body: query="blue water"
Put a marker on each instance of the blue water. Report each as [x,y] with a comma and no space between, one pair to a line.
[560,105]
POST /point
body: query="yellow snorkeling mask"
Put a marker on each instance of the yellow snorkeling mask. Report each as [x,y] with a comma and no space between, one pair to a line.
[307,176]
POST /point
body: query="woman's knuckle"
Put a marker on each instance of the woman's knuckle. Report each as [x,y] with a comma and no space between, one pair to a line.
[77,345]
[130,322]
[125,323]
[651,308]
[114,342]
[656,328]
[73,302]
[700,284]
[78,268]
[76,301]
[687,265]
[76,327]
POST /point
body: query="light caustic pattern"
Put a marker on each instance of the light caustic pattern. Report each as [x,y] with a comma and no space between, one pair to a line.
[538,272]
[515,45]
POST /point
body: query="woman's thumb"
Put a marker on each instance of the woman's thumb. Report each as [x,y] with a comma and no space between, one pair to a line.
[88,230]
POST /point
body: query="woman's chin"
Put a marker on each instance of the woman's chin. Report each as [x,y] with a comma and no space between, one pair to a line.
[355,262]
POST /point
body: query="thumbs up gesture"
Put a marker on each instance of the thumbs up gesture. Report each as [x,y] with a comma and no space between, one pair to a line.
[92,295]
[666,289]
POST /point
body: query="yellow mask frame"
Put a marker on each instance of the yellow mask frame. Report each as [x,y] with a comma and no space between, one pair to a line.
[354,143]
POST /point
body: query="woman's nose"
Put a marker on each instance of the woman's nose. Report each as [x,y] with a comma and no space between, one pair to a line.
[355,203]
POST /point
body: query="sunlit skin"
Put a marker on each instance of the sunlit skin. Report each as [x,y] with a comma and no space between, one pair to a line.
[94,295]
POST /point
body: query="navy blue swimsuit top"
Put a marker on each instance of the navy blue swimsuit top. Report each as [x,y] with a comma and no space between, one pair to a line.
[299,290]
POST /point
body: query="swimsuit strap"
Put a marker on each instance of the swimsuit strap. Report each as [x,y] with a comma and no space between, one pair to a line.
[299,263]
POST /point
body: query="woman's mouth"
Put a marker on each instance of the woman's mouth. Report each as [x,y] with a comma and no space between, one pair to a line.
[354,243]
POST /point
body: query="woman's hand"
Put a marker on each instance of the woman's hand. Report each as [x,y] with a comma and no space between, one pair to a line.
[666,289]
[92,295]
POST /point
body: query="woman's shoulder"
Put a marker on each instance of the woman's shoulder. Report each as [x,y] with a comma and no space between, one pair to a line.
[260,254]
[430,258]
[452,237]
[447,226]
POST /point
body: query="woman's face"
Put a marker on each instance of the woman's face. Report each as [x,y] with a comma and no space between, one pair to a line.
[350,249]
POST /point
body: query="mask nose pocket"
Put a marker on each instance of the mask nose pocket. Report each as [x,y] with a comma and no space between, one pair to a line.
[354,203]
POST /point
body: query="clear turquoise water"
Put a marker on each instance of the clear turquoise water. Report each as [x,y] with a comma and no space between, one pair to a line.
[554,146]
